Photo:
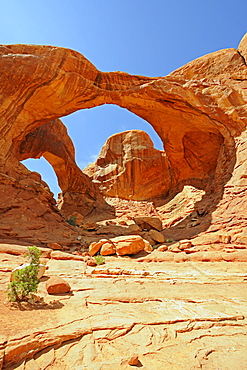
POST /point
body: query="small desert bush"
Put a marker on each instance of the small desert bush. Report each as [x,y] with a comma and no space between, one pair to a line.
[72,220]
[99,259]
[25,281]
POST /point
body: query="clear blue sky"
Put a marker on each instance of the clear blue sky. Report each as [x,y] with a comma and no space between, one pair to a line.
[143,37]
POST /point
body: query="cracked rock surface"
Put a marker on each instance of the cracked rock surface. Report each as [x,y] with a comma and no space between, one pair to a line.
[188,315]
[198,111]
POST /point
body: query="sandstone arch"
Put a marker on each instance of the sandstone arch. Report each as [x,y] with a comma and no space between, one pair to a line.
[51,140]
[206,98]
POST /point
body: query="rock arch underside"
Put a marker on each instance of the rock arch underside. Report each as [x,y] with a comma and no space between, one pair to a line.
[198,111]
[178,305]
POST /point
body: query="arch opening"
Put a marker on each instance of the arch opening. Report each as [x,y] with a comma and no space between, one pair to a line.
[43,167]
[89,130]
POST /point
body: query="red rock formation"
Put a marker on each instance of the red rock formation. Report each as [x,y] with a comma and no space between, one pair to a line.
[130,167]
[198,111]
[57,285]
[51,140]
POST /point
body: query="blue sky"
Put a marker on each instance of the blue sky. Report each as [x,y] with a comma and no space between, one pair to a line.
[143,37]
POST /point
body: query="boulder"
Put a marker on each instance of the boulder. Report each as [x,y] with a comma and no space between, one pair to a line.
[90,226]
[134,360]
[185,244]
[156,236]
[107,248]
[41,271]
[57,285]
[54,246]
[131,244]
[95,246]
[146,236]
[148,223]
[91,261]
[148,247]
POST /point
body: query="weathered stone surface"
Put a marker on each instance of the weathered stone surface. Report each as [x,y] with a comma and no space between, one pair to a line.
[77,217]
[147,246]
[30,214]
[57,285]
[54,246]
[199,112]
[156,236]
[57,255]
[242,47]
[134,360]
[78,190]
[148,223]
[130,167]
[169,315]
[131,244]
[41,270]
[118,230]
[185,244]
[107,248]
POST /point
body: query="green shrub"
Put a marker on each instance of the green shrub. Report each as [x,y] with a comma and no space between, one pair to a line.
[33,254]
[25,281]
[169,240]
[99,259]
[72,220]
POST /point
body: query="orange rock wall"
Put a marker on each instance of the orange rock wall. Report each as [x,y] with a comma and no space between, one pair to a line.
[198,111]
[130,167]
[51,140]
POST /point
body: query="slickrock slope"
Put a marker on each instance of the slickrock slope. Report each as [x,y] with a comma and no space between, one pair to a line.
[199,112]
[189,315]
[130,167]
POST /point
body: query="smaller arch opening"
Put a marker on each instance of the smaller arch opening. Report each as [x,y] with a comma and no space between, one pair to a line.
[43,167]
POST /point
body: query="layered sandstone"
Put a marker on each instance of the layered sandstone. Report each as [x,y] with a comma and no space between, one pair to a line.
[199,112]
[51,140]
[151,311]
[170,315]
[130,167]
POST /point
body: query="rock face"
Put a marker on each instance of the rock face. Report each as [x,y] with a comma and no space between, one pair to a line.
[120,245]
[199,111]
[130,167]
[57,285]
[51,140]
[167,315]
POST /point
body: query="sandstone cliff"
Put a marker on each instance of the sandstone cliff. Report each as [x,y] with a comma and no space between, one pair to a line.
[199,112]
[52,141]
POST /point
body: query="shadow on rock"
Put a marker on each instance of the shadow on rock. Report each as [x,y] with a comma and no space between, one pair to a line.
[40,305]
